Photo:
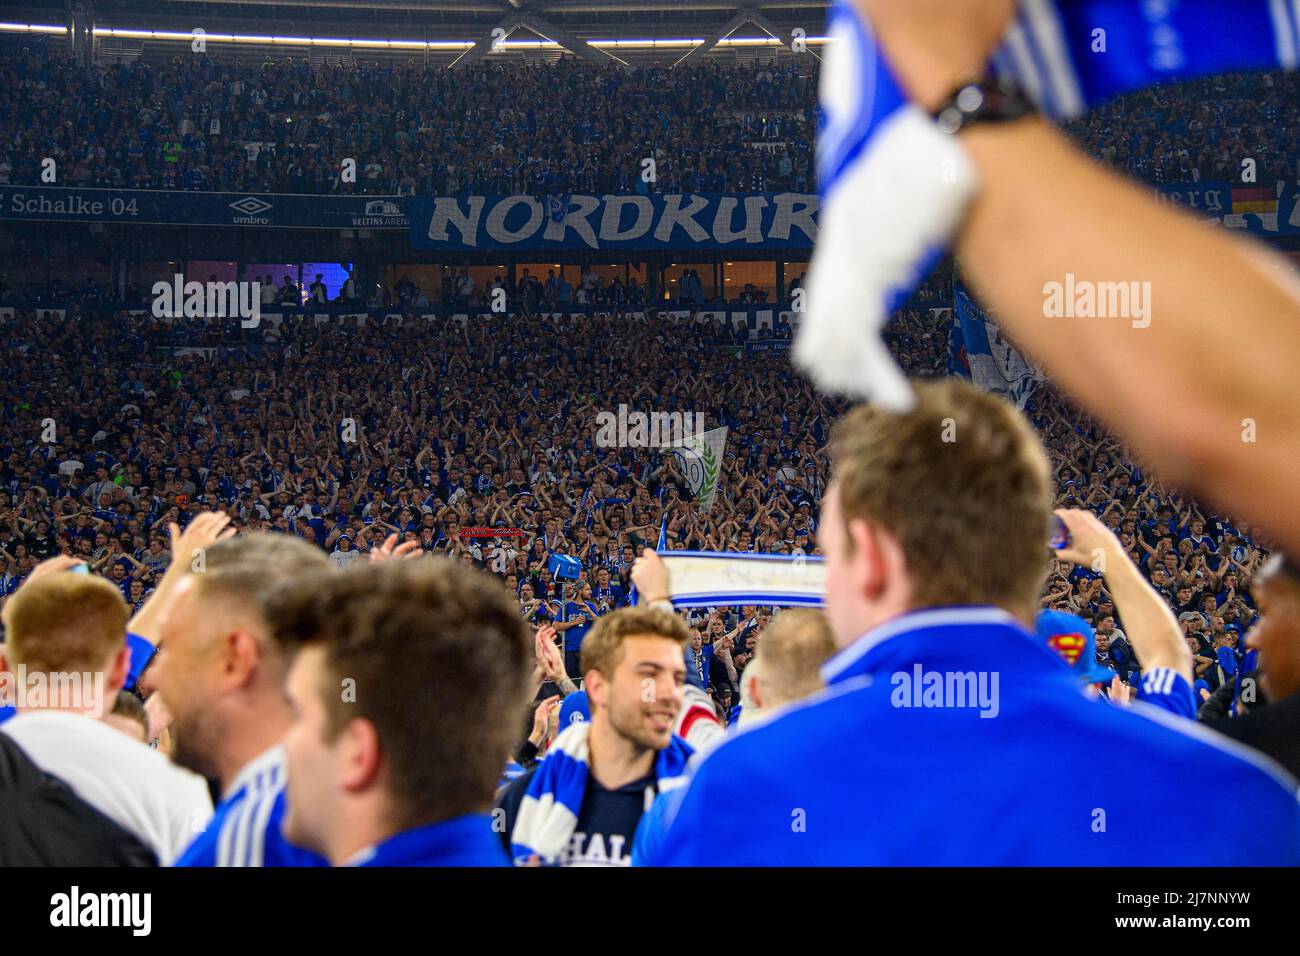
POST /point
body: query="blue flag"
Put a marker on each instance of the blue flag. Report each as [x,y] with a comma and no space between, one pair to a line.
[557,205]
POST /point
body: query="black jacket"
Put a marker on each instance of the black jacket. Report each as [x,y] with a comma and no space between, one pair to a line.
[44,823]
[1272,729]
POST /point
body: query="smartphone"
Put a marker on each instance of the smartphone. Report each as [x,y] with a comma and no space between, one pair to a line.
[1060,534]
[79,568]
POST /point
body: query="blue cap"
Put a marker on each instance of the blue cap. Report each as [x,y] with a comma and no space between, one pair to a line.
[1072,639]
[574,709]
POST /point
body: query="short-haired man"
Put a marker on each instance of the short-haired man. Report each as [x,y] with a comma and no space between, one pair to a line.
[946,734]
[221,675]
[787,665]
[404,693]
[66,632]
[581,805]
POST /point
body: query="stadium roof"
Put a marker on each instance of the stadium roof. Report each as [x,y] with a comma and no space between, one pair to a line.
[628,31]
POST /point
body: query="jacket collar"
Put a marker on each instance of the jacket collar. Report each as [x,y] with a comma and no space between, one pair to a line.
[461,841]
[888,640]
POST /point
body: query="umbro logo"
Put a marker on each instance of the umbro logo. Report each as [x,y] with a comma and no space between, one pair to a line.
[250,205]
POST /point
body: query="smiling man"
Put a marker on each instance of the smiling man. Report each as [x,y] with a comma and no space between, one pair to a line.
[582,804]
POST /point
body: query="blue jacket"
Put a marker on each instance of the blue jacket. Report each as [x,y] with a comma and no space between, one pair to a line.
[246,827]
[460,841]
[1029,773]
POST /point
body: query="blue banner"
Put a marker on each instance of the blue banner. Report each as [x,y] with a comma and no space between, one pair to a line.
[699,221]
[1206,198]
[977,350]
[694,221]
[178,208]
[1265,208]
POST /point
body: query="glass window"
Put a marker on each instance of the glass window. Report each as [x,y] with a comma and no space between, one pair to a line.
[333,275]
[272,274]
[209,270]
[695,277]
[739,277]
[426,278]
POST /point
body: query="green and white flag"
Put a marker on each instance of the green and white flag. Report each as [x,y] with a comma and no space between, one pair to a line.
[700,458]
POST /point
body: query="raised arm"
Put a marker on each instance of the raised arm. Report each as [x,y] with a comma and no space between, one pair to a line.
[1214,406]
[205,530]
[1152,630]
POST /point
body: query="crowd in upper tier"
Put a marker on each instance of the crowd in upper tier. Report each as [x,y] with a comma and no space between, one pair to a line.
[204,123]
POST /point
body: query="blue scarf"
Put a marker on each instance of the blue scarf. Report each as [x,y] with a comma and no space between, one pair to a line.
[549,812]
[1069,55]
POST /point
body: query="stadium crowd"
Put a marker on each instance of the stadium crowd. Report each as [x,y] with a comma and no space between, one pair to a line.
[203,123]
[485,426]
[208,124]
[1199,130]
[308,466]
[479,441]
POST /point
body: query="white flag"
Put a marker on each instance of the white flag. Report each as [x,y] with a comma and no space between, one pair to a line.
[700,458]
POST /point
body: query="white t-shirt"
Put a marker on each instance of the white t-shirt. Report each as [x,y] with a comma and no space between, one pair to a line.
[343,558]
[129,782]
[501,555]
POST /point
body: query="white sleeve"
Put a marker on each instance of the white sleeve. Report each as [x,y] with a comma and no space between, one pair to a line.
[189,811]
[697,721]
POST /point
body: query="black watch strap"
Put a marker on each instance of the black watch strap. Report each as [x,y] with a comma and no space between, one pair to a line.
[986,100]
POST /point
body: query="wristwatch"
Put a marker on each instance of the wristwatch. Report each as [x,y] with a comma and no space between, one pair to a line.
[986,100]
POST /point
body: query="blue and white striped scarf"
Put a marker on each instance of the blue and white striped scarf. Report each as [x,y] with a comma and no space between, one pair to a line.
[894,189]
[1069,55]
[549,812]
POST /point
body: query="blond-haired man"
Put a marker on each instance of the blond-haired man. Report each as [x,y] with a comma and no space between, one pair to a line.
[66,647]
[787,665]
